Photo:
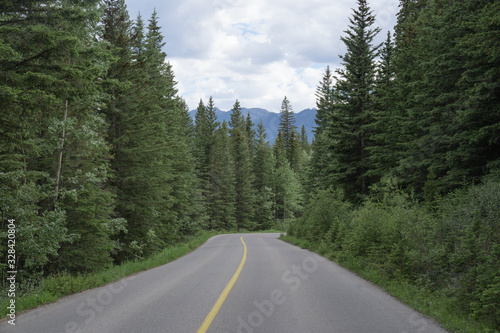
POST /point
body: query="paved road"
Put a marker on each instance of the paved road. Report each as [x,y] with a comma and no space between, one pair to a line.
[280,288]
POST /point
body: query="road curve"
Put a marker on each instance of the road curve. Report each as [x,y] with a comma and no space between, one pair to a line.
[279,288]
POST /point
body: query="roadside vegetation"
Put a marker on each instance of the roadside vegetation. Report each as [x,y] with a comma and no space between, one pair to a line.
[403,183]
[441,258]
[103,173]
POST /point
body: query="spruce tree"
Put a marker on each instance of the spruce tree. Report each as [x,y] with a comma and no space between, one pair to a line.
[205,138]
[433,99]
[54,165]
[349,132]
[243,170]
[251,134]
[152,162]
[386,130]
[479,118]
[289,133]
[304,140]
[237,121]
[222,209]
[263,166]
[321,164]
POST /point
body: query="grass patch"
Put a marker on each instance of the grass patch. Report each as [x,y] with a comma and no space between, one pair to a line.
[432,304]
[51,288]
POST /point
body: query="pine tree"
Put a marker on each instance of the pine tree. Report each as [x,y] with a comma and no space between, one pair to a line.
[126,131]
[176,171]
[201,135]
[349,133]
[324,101]
[189,207]
[206,129]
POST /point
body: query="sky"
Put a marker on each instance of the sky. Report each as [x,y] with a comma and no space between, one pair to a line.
[256,51]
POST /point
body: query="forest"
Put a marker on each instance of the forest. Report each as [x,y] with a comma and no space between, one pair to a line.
[100,161]
[101,164]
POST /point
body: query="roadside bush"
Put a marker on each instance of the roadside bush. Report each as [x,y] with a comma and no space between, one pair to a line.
[325,213]
[473,218]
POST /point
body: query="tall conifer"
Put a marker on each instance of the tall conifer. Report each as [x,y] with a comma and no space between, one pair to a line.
[243,170]
[263,165]
[289,133]
[349,132]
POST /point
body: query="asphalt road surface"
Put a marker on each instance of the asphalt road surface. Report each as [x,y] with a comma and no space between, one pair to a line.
[241,283]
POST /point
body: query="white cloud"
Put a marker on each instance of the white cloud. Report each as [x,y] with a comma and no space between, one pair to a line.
[256,51]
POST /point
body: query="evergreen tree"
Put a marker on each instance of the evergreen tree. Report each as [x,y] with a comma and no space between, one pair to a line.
[304,140]
[433,99]
[53,166]
[349,132]
[222,176]
[176,170]
[263,165]
[189,207]
[243,170]
[202,136]
[124,136]
[478,151]
[287,188]
[251,134]
[279,151]
[321,164]
[152,161]
[237,121]
[289,133]
[205,135]
[386,130]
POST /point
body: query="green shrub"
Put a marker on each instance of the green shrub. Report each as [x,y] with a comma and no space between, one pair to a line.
[473,219]
[325,213]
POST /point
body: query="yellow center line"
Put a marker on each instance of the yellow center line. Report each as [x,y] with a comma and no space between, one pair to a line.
[211,315]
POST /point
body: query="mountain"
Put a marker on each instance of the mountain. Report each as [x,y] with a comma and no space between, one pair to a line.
[271,120]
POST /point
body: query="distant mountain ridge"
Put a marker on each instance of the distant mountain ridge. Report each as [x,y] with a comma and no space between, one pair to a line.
[271,120]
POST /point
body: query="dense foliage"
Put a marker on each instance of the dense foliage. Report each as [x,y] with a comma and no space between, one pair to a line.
[100,162]
[404,168]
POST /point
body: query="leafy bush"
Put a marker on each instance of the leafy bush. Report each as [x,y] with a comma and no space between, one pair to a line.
[324,215]
[474,220]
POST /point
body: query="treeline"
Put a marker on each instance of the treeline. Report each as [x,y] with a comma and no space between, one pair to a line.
[99,160]
[95,163]
[245,183]
[404,172]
